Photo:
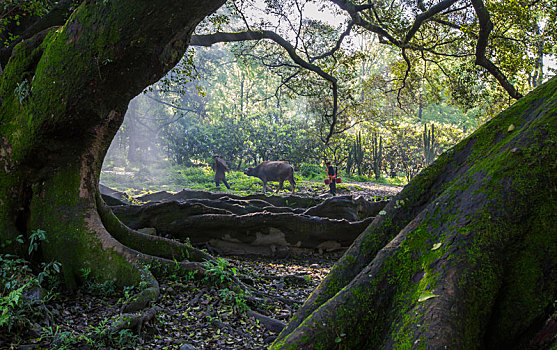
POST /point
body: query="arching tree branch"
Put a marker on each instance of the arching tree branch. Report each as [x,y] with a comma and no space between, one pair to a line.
[337,45]
[486,26]
[430,15]
[426,15]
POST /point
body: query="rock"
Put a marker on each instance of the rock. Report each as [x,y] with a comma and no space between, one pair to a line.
[187,346]
[34,293]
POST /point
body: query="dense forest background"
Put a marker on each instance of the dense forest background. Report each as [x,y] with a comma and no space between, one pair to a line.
[248,102]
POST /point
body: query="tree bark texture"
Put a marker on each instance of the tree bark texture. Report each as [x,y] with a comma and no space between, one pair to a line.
[252,226]
[64,93]
[465,256]
[258,200]
[200,223]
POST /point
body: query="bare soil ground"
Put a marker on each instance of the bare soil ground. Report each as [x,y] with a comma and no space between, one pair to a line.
[370,191]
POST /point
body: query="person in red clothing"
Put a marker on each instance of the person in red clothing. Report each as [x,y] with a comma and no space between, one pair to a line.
[332,178]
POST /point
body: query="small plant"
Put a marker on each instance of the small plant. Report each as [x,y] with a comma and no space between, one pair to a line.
[219,271]
[49,276]
[129,291]
[107,288]
[22,91]
[60,340]
[8,242]
[9,305]
[36,237]
[85,272]
[237,300]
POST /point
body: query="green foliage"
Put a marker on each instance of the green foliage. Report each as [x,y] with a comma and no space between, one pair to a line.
[219,272]
[234,117]
[14,12]
[106,287]
[237,300]
[7,243]
[8,303]
[175,272]
[19,308]
[311,171]
[49,272]
[36,237]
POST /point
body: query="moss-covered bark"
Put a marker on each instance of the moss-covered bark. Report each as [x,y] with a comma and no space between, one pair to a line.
[64,93]
[466,255]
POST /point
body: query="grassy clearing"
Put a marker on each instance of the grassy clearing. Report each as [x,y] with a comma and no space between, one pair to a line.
[142,180]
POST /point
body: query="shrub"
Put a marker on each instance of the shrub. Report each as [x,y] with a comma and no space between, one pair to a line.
[312,171]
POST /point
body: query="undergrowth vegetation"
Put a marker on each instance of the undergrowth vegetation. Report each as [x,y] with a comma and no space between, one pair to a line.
[36,309]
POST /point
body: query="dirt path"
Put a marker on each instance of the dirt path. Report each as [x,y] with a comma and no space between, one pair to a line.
[369,190]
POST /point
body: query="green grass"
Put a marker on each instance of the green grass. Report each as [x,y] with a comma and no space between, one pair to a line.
[137,181]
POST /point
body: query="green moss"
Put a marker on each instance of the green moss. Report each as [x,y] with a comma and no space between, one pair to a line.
[526,176]
[58,208]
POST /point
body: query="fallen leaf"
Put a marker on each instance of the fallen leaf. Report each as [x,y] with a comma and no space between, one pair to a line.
[426,295]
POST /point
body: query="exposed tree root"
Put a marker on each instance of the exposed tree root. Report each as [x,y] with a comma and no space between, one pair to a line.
[134,322]
[163,253]
[271,324]
[148,244]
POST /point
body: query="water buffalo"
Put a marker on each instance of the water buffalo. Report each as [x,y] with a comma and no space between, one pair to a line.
[273,171]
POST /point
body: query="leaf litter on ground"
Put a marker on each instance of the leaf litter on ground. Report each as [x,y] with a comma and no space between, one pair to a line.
[191,311]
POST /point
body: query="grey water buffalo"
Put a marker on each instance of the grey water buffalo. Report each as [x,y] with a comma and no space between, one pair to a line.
[273,171]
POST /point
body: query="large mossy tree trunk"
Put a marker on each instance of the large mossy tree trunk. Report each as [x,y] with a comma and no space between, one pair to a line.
[465,256]
[64,93]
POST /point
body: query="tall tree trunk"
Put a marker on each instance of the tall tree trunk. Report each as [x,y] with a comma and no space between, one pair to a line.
[54,135]
[465,256]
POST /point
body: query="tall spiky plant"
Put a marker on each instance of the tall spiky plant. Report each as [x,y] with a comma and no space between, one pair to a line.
[429,144]
[356,155]
[377,155]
